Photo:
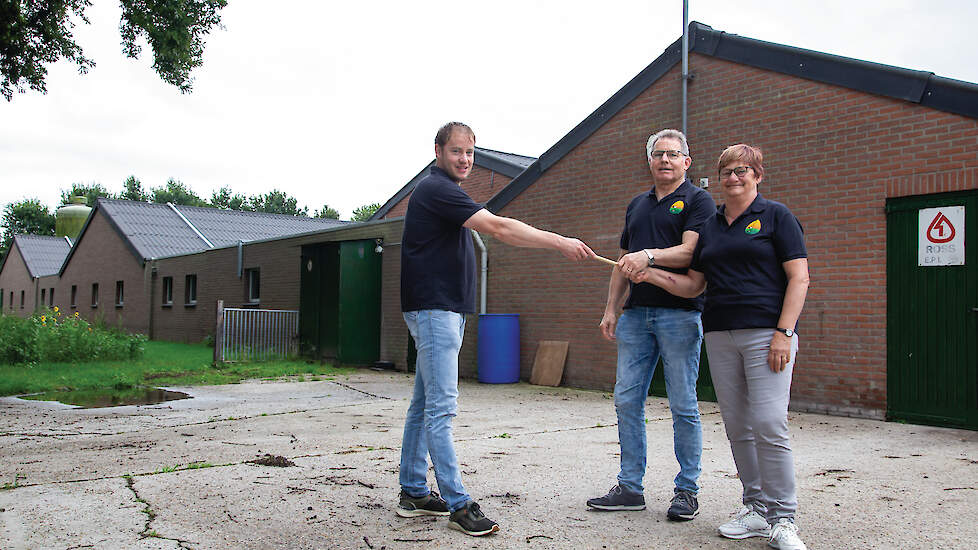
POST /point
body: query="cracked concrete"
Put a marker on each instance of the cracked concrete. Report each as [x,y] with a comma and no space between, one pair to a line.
[177,475]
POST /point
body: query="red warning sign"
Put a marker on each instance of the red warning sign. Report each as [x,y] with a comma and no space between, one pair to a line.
[940,239]
[940,230]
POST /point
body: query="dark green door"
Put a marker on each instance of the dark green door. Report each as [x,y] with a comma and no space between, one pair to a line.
[359,302]
[931,313]
[704,384]
[318,300]
[310,269]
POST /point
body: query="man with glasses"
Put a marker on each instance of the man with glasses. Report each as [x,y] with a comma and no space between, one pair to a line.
[661,229]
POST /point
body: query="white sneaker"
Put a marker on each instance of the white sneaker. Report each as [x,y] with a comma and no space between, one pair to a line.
[745,524]
[784,536]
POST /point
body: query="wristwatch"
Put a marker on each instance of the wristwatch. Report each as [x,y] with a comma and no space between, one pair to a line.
[786,331]
[651,257]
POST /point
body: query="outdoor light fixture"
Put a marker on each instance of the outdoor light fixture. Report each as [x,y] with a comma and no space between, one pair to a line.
[379,248]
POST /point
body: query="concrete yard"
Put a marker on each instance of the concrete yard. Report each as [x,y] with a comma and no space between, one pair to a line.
[117,478]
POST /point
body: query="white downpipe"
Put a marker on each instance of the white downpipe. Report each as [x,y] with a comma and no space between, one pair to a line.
[485,270]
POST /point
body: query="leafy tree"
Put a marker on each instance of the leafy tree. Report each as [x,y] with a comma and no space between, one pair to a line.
[91,192]
[327,212]
[227,200]
[35,34]
[363,213]
[26,216]
[176,192]
[277,202]
[132,190]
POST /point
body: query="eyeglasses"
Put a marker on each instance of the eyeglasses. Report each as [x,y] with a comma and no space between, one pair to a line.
[740,171]
[672,155]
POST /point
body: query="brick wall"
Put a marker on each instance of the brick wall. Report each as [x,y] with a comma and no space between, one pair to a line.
[14,280]
[832,155]
[101,256]
[279,264]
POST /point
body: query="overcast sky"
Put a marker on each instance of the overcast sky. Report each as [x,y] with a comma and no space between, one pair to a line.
[338,103]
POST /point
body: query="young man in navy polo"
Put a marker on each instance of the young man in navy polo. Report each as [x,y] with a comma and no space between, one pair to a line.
[437,290]
[661,229]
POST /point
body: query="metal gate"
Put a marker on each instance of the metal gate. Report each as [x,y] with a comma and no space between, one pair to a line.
[255,334]
[931,316]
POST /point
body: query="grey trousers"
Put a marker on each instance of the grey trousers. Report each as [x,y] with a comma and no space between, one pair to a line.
[754,404]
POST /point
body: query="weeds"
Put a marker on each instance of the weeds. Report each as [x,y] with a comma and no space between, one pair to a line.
[161,364]
[51,336]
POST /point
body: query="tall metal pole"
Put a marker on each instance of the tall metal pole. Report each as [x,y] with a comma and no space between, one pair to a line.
[685,58]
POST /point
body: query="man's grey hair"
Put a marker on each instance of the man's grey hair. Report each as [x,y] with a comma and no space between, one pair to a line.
[667,133]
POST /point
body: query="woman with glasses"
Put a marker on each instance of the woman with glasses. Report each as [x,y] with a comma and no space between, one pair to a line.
[752,261]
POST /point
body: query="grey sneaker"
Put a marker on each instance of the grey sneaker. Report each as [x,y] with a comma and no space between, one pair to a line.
[746,523]
[684,507]
[470,520]
[428,505]
[618,499]
[784,536]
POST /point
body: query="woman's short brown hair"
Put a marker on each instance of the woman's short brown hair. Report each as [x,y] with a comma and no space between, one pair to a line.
[747,154]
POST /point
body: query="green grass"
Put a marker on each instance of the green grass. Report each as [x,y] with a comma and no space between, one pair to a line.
[162,364]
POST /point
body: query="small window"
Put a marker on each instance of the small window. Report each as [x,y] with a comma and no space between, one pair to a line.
[44,296]
[94,294]
[167,291]
[11,300]
[74,296]
[21,299]
[253,279]
[1,299]
[51,297]
[190,290]
[118,293]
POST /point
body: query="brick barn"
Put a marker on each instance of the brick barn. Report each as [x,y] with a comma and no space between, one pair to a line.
[836,133]
[29,273]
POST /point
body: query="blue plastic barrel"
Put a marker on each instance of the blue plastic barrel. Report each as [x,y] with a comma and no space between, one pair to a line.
[499,348]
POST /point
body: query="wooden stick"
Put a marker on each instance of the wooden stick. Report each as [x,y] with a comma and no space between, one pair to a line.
[605,260]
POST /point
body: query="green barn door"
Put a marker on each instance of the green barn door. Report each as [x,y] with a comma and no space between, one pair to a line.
[318,291]
[309,295]
[932,309]
[359,302]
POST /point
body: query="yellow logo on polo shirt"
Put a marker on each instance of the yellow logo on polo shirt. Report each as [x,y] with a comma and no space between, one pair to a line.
[753,227]
[677,207]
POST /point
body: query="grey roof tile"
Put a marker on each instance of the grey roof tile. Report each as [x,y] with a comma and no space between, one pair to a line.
[156,230]
[43,255]
[227,227]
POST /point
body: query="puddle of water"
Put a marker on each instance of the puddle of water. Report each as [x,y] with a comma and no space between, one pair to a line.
[93,399]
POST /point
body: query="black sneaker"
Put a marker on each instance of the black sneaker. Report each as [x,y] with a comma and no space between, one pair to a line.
[618,499]
[684,507]
[470,520]
[428,505]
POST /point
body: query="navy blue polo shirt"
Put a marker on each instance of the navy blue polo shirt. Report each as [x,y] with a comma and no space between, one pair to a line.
[437,256]
[745,281]
[651,223]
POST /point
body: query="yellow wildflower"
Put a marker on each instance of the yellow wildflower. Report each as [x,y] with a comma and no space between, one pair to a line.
[56,309]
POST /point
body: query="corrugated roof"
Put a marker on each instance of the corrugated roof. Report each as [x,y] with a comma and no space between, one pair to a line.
[158,230]
[510,158]
[43,255]
[152,229]
[227,227]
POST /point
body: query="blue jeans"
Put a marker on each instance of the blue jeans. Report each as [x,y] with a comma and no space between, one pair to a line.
[428,427]
[643,334]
